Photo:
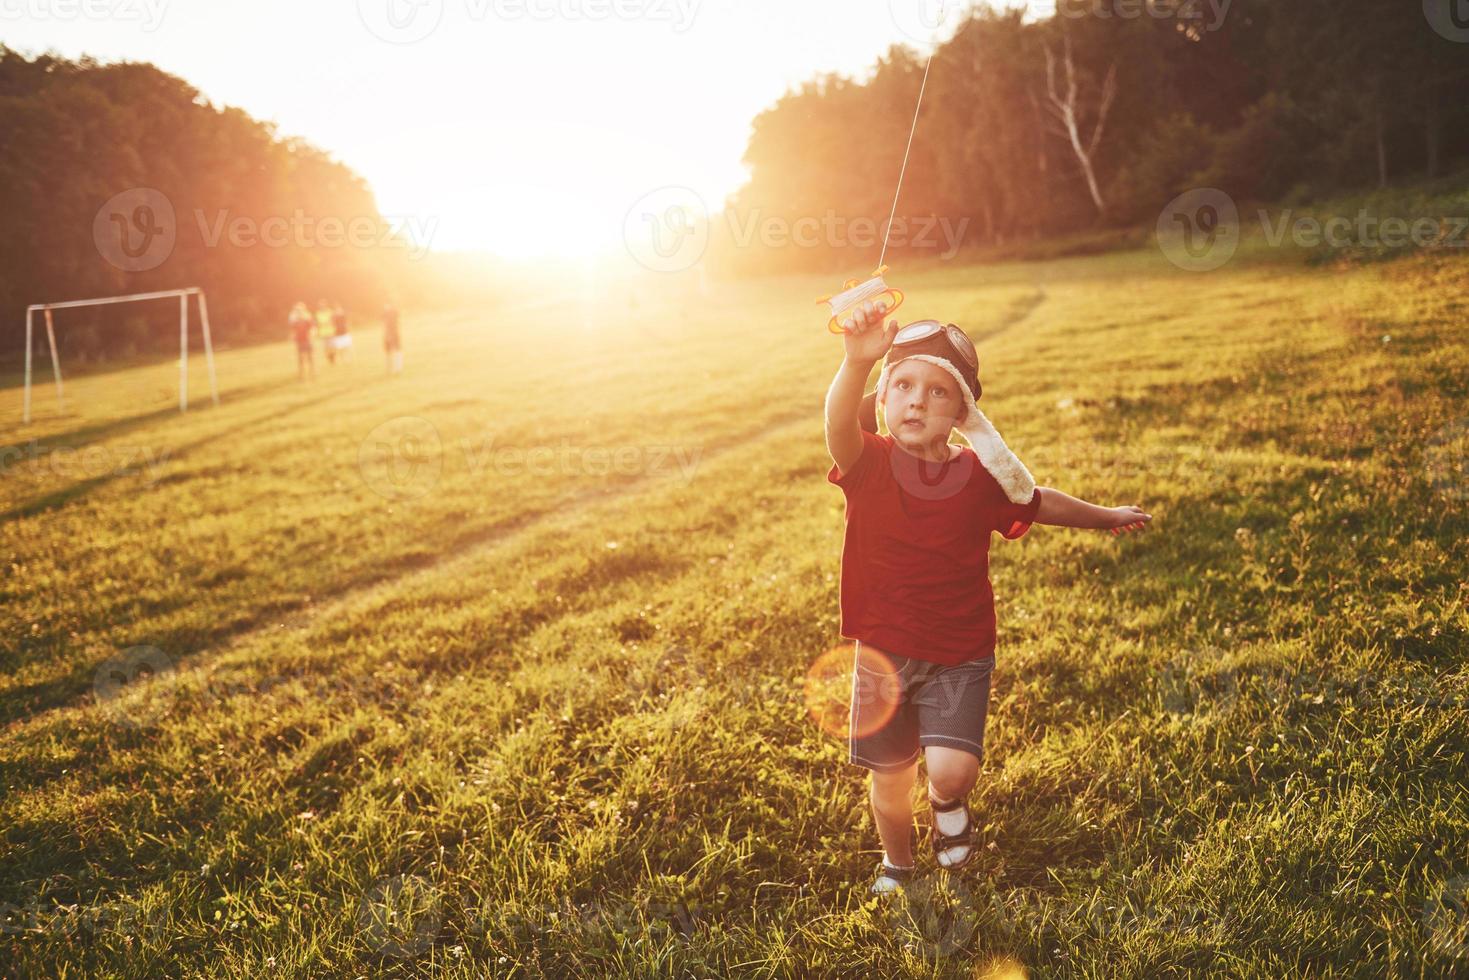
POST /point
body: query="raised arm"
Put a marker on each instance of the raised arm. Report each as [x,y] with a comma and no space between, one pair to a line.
[864,345]
[1063,510]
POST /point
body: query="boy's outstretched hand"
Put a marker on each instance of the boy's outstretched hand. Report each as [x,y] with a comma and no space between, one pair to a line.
[1129,519]
[1063,510]
[866,341]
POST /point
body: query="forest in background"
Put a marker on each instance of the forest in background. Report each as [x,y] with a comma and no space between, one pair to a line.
[1089,120]
[1096,118]
[78,133]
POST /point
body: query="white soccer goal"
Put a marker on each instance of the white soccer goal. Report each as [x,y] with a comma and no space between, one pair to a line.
[183,297]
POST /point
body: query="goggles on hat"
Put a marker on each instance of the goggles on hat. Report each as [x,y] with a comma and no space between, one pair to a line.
[943,340]
[922,330]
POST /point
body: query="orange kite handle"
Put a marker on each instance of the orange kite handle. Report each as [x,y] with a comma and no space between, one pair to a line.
[893,296]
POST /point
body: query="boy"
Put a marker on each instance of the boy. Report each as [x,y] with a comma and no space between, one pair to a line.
[301,323]
[915,589]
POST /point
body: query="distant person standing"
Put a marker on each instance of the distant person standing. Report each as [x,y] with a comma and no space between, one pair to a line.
[324,329]
[301,323]
[341,336]
[392,339]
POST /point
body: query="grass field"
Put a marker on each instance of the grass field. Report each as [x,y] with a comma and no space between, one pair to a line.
[526,662]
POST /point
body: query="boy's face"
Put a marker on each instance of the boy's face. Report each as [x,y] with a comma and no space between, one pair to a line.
[923,404]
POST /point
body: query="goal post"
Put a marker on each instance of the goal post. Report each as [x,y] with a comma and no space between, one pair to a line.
[183,295]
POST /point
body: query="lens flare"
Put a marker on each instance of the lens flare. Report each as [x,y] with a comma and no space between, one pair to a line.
[1001,969]
[849,676]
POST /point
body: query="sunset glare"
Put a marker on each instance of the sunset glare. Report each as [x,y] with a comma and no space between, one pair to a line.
[524,128]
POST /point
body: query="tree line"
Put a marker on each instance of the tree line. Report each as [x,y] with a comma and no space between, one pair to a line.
[258,220]
[1096,117]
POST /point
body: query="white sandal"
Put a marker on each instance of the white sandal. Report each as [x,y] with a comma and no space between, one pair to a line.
[944,843]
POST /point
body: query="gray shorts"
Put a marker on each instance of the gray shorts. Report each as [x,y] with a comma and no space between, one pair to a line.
[900,704]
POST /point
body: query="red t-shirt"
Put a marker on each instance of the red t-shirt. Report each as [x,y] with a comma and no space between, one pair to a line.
[916,558]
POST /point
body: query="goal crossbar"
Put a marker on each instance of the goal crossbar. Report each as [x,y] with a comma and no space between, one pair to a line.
[182,295]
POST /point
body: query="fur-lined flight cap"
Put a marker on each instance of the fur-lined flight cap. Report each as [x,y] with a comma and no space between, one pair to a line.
[948,347]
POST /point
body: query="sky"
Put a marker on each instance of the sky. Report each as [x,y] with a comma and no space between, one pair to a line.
[517,127]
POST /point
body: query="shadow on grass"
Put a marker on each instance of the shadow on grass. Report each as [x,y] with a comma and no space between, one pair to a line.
[69,688]
[60,498]
[74,438]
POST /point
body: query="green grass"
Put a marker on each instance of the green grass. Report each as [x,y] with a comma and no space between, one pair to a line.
[577,722]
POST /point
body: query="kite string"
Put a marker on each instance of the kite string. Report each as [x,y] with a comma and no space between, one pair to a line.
[913,129]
